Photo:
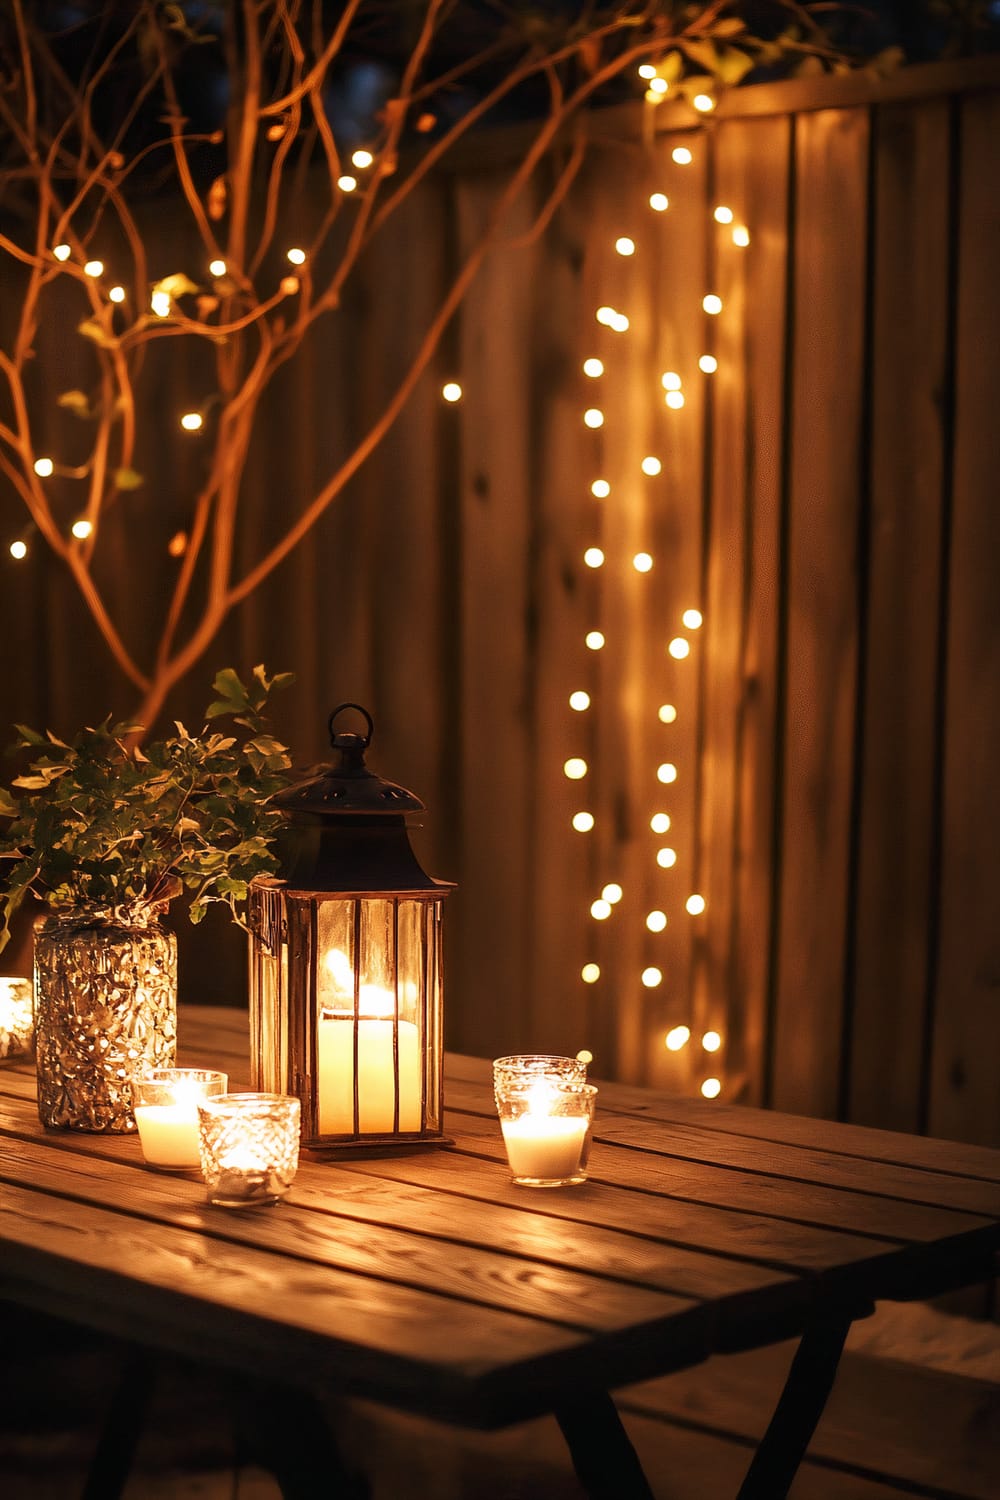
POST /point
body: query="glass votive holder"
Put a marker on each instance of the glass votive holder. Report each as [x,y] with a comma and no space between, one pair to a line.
[249,1147]
[166,1114]
[546,1124]
[17,1026]
[533,1067]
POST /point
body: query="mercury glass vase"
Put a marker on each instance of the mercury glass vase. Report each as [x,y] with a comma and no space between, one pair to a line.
[105,1011]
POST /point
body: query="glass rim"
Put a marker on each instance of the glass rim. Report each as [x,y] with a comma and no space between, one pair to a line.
[567,1089]
[244,1103]
[171,1075]
[538,1062]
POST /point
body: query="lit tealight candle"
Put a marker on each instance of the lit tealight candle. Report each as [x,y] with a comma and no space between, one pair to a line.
[16,1022]
[166,1114]
[546,1130]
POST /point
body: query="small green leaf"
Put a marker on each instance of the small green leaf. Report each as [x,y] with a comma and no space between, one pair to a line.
[128,479]
[76,402]
[92,329]
[703,53]
[178,285]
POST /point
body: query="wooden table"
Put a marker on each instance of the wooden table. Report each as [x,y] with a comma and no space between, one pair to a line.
[430,1283]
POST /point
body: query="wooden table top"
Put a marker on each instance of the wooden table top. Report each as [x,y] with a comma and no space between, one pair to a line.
[431,1283]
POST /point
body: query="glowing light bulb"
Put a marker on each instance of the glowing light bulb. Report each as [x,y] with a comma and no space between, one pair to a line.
[711,1088]
[667,713]
[682,156]
[708,363]
[296,256]
[620,324]
[178,543]
[94,268]
[666,858]
[593,368]
[692,618]
[289,285]
[579,701]
[583,822]
[585,1057]
[191,421]
[651,465]
[658,87]
[642,562]
[674,399]
[594,557]
[575,768]
[606,315]
[679,648]
[347,183]
[594,640]
[741,236]
[43,467]
[711,1041]
[613,893]
[116,294]
[452,391]
[600,910]
[666,773]
[712,304]
[624,245]
[593,417]
[217,268]
[656,921]
[61,252]
[703,103]
[670,380]
[81,529]
[695,905]
[590,973]
[651,977]
[362,159]
[723,215]
[659,202]
[646,70]
[677,1037]
[660,822]
[600,489]
[160,304]
[18,550]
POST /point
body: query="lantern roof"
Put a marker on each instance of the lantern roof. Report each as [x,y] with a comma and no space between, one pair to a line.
[347,786]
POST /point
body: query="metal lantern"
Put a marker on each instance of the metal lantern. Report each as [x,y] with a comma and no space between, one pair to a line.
[345,962]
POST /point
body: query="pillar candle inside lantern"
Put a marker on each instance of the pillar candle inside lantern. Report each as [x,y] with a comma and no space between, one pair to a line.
[387,1050]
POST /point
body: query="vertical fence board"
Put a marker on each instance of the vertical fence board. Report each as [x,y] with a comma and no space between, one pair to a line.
[822,620]
[965,1100]
[897,809]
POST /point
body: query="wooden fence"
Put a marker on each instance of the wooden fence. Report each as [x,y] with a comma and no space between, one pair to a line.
[825,498]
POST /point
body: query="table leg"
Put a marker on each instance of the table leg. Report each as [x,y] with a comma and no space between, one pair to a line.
[112,1460]
[286,1431]
[800,1406]
[606,1464]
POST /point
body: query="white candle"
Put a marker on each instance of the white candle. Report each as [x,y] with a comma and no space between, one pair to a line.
[547,1147]
[376,1073]
[169,1133]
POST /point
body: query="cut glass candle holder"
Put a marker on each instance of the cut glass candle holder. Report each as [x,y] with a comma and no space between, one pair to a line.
[249,1147]
[166,1112]
[546,1122]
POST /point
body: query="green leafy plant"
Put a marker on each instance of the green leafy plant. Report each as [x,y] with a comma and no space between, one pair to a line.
[120,828]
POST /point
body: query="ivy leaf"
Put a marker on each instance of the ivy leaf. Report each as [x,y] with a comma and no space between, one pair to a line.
[92,329]
[128,479]
[733,65]
[175,286]
[702,53]
[76,402]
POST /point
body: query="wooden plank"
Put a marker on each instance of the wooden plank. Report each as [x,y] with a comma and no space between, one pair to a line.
[897,811]
[821,622]
[965,1100]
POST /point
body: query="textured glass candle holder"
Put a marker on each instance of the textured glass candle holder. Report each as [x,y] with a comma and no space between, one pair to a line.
[546,1122]
[532,1067]
[17,1027]
[166,1112]
[249,1147]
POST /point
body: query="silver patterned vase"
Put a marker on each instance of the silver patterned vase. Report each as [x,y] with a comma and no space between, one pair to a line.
[105,1009]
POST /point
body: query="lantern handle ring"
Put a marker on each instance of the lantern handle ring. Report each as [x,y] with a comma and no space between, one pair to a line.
[364,714]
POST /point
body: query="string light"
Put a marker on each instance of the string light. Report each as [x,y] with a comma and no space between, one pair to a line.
[116,294]
[695,905]
[677,1037]
[652,977]
[593,417]
[585,1057]
[679,648]
[741,236]
[347,183]
[575,768]
[61,252]
[624,245]
[692,618]
[289,285]
[723,215]
[590,973]
[646,70]
[579,701]
[593,368]
[711,1041]
[362,158]
[191,421]
[666,773]
[670,380]
[43,467]
[682,156]
[666,713]
[666,858]
[612,893]
[160,304]
[178,543]
[660,822]
[594,557]
[708,363]
[81,529]
[296,256]
[600,489]
[642,562]
[217,268]
[18,550]
[712,304]
[606,316]
[658,87]
[674,399]
[583,822]
[711,1088]
[452,391]
[594,640]
[94,268]
[656,921]
[601,910]
[703,103]
[659,202]
[651,465]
